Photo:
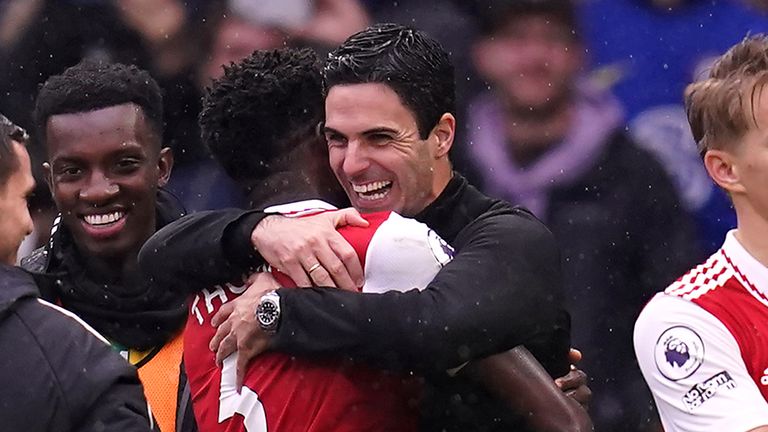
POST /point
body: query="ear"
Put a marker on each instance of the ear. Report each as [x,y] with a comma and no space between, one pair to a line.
[723,170]
[444,131]
[164,166]
[48,176]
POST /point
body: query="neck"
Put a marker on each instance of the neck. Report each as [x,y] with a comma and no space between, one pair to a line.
[530,133]
[124,271]
[283,187]
[751,232]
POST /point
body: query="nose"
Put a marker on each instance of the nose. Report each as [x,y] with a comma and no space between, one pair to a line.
[356,159]
[29,226]
[99,189]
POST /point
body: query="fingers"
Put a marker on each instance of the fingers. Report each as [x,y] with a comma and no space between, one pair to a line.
[221,332]
[340,267]
[227,346]
[241,367]
[223,314]
[572,380]
[294,270]
[348,216]
[574,356]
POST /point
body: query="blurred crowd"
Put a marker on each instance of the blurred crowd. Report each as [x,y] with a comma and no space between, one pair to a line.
[573,112]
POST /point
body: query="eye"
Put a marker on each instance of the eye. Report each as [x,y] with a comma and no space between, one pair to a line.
[335,140]
[380,138]
[68,172]
[127,165]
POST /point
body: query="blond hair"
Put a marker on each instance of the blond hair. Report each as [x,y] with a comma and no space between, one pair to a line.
[721,108]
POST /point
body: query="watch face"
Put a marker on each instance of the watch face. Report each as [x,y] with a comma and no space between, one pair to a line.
[267,314]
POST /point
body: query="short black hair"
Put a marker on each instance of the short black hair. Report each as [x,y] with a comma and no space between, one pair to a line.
[261,108]
[9,160]
[410,62]
[92,85]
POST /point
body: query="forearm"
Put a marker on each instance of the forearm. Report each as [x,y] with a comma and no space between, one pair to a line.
[517,379]
[490,298]
[202,250]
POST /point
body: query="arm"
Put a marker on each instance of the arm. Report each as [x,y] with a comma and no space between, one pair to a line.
[480,303]
[202,249]
[215,247]
[516,378]
[694,368]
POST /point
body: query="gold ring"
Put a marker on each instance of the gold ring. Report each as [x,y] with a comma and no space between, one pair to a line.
[314,267]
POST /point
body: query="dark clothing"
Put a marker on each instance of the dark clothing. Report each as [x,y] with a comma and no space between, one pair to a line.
[620,227]
[55,374]
[623,236]
[140,317]
[481,303]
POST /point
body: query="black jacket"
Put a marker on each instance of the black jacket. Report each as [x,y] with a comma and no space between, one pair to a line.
[157,315]
[55,374]
[502,289]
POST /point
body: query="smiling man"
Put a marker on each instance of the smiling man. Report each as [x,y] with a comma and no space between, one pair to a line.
[57,374]
[101,125]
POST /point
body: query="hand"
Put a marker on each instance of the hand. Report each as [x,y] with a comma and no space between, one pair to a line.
[296,246]
[237,328]
[574,384]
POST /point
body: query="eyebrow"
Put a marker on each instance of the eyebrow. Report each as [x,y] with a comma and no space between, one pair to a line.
[378,130]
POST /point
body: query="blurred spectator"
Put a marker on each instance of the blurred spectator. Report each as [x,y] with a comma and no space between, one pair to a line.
[550,141]
[650,50]
[229,31]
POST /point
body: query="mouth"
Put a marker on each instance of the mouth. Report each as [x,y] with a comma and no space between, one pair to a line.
[101,225]
[372,191]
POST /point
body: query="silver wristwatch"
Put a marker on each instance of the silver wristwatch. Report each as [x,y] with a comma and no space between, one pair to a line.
[268,312]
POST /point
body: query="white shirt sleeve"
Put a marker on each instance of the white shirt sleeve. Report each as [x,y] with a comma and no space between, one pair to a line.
[693,365]
[403,254]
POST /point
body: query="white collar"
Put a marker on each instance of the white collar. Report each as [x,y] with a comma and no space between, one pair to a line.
[300,208]
[746,265]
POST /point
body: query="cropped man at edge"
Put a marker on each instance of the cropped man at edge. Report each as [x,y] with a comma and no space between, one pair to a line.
[389,128]
[101,125]
[701,343]
[57,373]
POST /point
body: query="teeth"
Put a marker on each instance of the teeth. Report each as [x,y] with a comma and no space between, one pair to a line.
[103,219]
[370,186]
[373,197]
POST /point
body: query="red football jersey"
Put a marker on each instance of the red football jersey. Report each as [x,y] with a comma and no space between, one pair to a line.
[702,345]
[285,393]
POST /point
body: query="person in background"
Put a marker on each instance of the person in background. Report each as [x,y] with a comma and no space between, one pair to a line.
[543,138]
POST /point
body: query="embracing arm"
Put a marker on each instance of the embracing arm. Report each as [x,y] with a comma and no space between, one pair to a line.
[202,249]
[501,290]
[517,379]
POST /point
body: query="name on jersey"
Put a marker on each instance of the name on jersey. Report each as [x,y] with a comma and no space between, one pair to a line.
[707,389]
[203,304]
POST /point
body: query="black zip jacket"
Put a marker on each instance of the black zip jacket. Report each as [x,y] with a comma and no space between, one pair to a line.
[55,374]
[46,265]
[502,289]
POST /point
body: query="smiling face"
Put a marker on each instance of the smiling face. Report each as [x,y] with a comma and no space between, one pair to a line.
[377,154]
[104,170]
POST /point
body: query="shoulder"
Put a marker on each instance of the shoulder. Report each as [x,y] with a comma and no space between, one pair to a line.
[37,261]
[403,254]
